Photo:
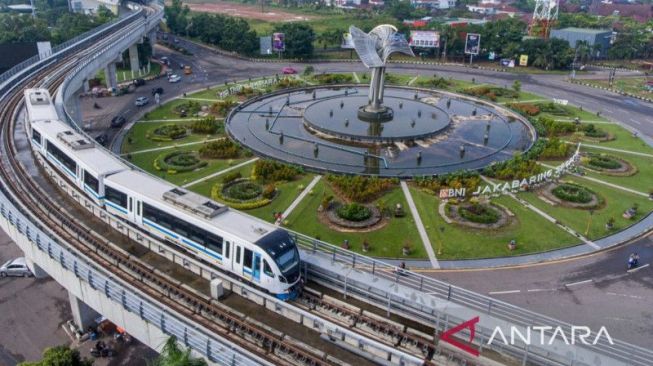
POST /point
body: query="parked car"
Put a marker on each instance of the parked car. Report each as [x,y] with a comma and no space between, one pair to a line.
[157,90]
[118,121]
[141,101]
[139,82]
[15,267]
[174,78]
[181,66]
[102,139]
[288,70]
[188,70]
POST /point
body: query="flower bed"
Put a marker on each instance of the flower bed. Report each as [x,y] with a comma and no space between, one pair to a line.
[244,194]
[354,212]
[221,149]
[353,216]
[479,213]
[608,165]
[168,132]
[573,193]
[603,162]
[179,162]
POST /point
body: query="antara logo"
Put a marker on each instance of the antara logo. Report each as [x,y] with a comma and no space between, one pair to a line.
[547,336]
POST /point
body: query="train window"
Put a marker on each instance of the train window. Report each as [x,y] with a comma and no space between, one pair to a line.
[226,249]
[247,258]
[266,269]
[238,254]
[183,228]
[115,196]
[91,182]
[62,157]
[138,208]
[130,204]
[36,137]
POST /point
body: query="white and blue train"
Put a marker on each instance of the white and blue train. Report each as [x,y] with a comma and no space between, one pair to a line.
[256,251]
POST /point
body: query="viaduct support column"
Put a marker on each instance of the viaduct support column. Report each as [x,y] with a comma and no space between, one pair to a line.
[83,315]
[133,60]
[110,76]
[152,38]
[36,270]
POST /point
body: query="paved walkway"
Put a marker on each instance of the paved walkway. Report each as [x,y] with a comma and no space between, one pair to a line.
[412,80]
[603,182]
[356,79]
[202,99]
[171,146]
[219,173]
[612,149]
[301,196]
[420,226]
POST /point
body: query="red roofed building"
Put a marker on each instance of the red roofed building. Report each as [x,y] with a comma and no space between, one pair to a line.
[640,12]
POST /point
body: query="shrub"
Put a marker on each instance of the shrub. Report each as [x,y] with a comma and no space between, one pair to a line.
[333,78]
[220,149]
[206,125]
[591,131]
[479,213]
[435,82]
[256,202]
[519,167]
[222,107]
[190,107]
[243,191]
[550,127]
[271,171]
[462,179]
[553,108]
[573,193]
[178,162]
[167,132]
[354,212]
[526,109]
[269,191]
[602,161]
[359,188]
[556,148]
[490,92]
[230,177]
[288,83]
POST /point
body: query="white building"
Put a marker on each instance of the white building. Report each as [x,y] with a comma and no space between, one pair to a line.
[91,6]
[433,4]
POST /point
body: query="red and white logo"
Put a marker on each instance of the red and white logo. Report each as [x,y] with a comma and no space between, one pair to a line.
[471,325]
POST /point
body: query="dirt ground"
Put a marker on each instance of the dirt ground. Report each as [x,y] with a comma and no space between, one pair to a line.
[247,11]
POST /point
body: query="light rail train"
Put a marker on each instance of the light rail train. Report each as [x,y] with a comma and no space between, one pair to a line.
[253,250]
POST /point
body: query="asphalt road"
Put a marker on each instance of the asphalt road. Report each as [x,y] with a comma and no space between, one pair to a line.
[592,291]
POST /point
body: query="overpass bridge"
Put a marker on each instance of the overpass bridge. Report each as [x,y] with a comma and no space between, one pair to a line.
[104,278]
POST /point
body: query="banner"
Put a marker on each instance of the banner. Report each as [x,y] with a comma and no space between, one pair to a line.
[265,45]
[347,41]
[424,39]
[473,44]
[507,62]
[278,42]
[491,56]
[523,60]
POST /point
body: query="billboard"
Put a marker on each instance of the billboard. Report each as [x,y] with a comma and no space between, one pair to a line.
[265,45]
[472,44]
[424,39]
[507,62]
[523,60]
[278,42]
[347,41]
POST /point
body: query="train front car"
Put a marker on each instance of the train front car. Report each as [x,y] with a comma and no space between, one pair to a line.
[282,249]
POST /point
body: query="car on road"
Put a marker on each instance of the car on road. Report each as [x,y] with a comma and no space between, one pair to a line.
[16,268]
[288,70]
[139,82]
[165,60]
[141,101]
[181,66]
[174,78]
[102,139]
[157,90]
[118,121]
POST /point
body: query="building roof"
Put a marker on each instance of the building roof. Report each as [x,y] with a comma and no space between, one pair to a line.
[582,30]
[640,12]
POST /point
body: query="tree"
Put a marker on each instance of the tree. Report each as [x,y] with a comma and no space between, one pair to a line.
[299,39]
[60,356]
[172,355]
[516,86]
[177,16]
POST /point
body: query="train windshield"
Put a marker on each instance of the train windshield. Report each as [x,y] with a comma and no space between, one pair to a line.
[281,247]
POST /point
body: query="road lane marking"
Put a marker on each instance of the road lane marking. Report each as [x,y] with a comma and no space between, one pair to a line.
[542,289]
[634,121]
[504,292]
[578,283]
[638,268]
[624,295]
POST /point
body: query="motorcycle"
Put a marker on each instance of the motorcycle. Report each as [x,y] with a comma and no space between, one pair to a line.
[101,350]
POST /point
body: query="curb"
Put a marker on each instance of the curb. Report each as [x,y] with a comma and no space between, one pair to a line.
[616,91]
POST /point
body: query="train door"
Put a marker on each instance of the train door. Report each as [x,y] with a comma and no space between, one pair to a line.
[256,268]
[138,217]
[248,264]
[237,266]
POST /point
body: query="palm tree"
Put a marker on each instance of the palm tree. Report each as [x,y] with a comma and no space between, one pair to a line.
[172,355]
[450,35]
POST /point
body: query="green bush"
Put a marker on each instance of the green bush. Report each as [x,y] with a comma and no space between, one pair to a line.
[476,212]
[243,191]
[591,131]
[207,125]
[440,83]
[555,149]
[220,149]
[354,212]
[271,171]
[190,107]
[230,177]
[573,193]
[333,78]
[467,179]
[553,108]
[178,162]
[216,194]
[602,161]
[490,92]
[269,191]
[359,188]
[551,127]
[168,132]
[222,107]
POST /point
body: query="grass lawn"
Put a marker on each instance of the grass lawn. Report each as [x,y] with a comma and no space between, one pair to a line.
[385,242]
[532,232]
[624,139]
[139,140]
[204,188]
[631,84]
[616,202]
[146,162]
[642,181]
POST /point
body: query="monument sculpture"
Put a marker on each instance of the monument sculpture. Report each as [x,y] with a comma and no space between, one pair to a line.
[374,49]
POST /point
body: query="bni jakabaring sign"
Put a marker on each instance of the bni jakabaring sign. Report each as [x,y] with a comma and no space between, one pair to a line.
[502,188]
